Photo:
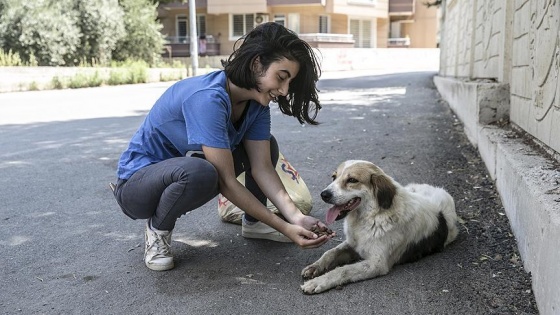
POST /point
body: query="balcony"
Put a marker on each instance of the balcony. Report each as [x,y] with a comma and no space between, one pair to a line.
[398,42]
[401,7]
[322,40]
[179,46]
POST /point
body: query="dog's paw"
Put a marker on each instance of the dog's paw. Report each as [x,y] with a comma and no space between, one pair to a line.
[314,286]
[310,272]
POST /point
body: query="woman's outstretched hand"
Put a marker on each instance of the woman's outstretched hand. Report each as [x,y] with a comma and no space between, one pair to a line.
[309,232]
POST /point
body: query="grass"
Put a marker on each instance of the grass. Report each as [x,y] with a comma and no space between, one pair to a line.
[127,72]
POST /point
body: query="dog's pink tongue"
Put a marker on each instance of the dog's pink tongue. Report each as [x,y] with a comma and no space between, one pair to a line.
[332,213]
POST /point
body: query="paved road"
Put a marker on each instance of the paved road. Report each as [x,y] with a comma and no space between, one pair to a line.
[68,250]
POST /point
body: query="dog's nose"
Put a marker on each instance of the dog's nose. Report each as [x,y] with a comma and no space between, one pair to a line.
[326,195]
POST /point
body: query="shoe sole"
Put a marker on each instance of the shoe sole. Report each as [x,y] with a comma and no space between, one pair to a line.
[160,267]
[113,187]
[270,237]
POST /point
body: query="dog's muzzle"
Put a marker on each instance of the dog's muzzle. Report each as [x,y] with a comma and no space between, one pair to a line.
[326,195]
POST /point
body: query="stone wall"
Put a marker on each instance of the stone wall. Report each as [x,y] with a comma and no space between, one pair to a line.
[535,87]
[513,43]
[499,70]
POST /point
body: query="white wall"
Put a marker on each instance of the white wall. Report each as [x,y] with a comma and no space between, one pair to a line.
[509,42]
[499,63]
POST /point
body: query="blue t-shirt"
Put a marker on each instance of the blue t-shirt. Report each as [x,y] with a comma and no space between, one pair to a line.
[192,112]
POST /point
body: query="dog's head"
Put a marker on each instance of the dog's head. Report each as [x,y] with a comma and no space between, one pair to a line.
[356,182]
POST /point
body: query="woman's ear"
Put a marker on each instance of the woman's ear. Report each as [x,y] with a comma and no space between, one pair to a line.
[256,65]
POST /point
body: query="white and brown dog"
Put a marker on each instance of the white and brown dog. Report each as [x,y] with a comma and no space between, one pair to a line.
[386,224]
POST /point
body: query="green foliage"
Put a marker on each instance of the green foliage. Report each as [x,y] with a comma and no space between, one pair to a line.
[117,77]
[78,32]
[10,59]
[44,30]
[101,26]
[144,40]
[33,86]
[81,80]
[172,76]
[57,83]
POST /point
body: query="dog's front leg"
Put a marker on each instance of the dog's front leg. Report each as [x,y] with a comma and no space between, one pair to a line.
[340,255]
[362,270]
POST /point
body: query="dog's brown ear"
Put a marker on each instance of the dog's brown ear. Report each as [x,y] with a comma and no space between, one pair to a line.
[385,190]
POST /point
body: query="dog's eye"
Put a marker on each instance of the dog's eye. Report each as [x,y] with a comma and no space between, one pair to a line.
[333,177]
[352,180]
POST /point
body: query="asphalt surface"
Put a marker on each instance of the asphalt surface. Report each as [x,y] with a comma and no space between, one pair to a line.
[67,249]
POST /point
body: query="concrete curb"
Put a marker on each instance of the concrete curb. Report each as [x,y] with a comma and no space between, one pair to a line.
[526,181]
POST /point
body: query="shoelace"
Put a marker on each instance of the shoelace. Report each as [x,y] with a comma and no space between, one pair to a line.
[161,244]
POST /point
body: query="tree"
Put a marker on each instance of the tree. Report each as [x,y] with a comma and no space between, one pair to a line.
[101,25]
[43,30]
[144,40]
[69,32]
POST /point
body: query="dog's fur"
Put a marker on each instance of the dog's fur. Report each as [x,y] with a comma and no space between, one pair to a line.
[386,224]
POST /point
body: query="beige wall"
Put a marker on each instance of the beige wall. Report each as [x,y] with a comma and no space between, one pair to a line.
[382,33]
[423,32]
[236,7]
[379,10]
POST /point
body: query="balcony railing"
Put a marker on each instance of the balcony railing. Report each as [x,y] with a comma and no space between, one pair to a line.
[180,46]
[187,39]
[332,38]
[399,42]
[398,7]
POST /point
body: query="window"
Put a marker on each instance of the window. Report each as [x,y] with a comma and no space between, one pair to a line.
[201,25]
[183,27]
[242,24]
[280,19]
[361,31]
[323,24]
[182,34]
[293,22]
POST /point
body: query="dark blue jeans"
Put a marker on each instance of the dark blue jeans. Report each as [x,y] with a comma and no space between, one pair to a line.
[166,190]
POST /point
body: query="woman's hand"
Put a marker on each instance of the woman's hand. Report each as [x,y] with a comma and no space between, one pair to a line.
[309,232]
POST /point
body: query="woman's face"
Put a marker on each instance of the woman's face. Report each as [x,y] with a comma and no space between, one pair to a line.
[275,81]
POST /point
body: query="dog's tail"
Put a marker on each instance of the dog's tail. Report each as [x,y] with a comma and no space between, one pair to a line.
[447,206]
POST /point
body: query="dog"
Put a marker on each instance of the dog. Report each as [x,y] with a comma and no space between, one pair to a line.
[385,224]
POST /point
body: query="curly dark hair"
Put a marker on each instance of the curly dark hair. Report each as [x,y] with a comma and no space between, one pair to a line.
[271,42]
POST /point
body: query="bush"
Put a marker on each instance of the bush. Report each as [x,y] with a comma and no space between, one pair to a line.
[144,40]
[57,83]
[9,58]
[117,77]
[71,32]
[44,31]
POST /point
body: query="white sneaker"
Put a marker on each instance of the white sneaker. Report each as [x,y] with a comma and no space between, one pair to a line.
[262,231]
[157,253]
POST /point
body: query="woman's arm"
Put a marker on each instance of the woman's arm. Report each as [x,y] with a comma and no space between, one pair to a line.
[235,192]
[268,180]
[270,183]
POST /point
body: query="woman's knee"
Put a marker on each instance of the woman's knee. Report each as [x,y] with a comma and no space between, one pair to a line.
[200,172]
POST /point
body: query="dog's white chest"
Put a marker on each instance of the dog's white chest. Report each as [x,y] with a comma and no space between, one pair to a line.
[360,235]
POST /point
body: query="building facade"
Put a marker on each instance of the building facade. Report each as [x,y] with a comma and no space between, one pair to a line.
[413,24]
[323,23]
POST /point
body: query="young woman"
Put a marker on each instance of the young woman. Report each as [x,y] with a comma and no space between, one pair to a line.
[204,131]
